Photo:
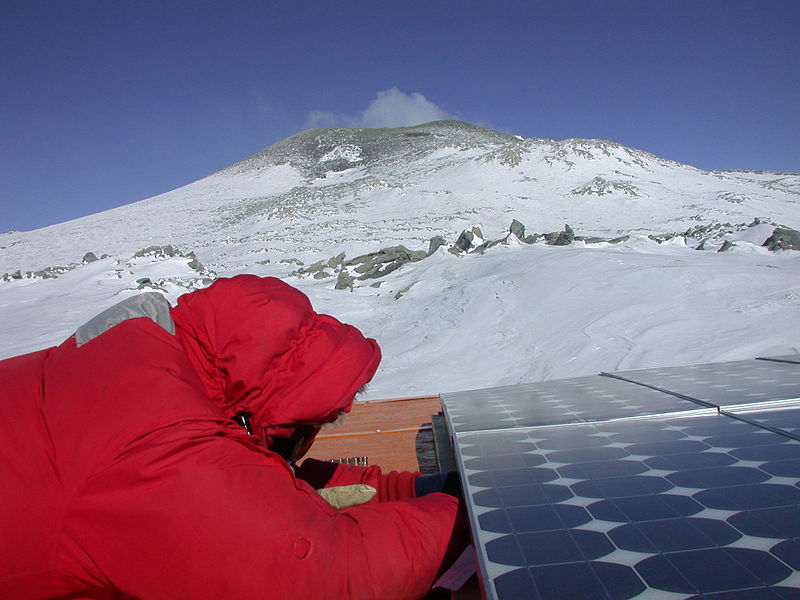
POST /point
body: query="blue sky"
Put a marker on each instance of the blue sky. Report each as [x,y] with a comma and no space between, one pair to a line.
[106,103]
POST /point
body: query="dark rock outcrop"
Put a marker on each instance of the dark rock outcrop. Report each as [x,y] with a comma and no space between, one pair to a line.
[466,241]
[560,238]
[783,238]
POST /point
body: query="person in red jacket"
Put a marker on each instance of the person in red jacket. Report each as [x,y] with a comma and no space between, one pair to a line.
[127,473]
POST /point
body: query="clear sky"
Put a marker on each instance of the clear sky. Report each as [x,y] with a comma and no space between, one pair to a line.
[106,103]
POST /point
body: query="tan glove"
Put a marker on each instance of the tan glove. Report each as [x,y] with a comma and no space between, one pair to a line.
[342,496]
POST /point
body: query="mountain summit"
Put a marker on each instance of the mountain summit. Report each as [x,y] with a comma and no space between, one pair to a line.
[316,152]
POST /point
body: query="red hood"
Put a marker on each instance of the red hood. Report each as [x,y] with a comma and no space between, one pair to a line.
[259,347]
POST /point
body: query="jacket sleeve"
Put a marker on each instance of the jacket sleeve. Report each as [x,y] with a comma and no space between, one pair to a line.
[193,514]
[394,485]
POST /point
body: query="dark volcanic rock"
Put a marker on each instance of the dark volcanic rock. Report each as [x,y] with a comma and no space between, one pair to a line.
[561,238]
[466,241]
[783,238]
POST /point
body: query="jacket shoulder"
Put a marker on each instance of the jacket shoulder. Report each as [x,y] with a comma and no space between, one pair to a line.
[150,304]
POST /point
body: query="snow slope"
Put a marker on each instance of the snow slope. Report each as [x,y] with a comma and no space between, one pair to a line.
[514,313]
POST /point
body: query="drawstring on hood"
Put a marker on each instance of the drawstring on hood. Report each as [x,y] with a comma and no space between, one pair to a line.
[259,347]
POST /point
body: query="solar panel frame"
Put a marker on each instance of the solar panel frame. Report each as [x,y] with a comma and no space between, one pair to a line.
[721,384]
[790,358]
[781,416]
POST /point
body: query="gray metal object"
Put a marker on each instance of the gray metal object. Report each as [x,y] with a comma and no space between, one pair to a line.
[790,358]
[444,448]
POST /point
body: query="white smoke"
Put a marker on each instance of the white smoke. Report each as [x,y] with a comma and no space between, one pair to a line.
[390,108]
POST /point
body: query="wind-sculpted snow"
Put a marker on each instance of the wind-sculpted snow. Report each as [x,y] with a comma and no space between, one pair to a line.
[660,263]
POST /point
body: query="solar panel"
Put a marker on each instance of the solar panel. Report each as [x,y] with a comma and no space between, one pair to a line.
[701,503]
[722,384]
[582,399]
[688,505]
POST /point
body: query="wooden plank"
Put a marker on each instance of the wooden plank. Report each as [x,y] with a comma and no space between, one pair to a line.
[384,431]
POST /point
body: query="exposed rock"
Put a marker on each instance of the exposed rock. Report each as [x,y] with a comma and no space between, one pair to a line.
[462,244]
[590,239]
[157,251]
[400,293]
[314,269]
[561,238]
[146,283]
[194,263]
[783,238]
[601,187]
[89,257]
[168,251]
[702,244]
[517,229]
[486,245]
[383,262]
[335,262]
[703,230]
[367,266]
[661,237]
[435,243]
[726,246]
[732,197]
[376,265]
[466,240]
[345,281]
[49,272]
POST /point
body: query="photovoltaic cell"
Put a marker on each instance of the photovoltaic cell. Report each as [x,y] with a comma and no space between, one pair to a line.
[605,504]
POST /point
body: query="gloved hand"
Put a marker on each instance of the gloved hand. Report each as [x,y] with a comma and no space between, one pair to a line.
[342,496]
[446,483]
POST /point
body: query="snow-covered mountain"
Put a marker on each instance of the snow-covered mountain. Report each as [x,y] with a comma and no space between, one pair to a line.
[635,279]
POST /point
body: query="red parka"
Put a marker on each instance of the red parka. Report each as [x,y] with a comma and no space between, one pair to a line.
[123,474]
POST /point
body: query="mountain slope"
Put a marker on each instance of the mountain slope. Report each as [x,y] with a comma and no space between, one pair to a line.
[332,190]
[319,205]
